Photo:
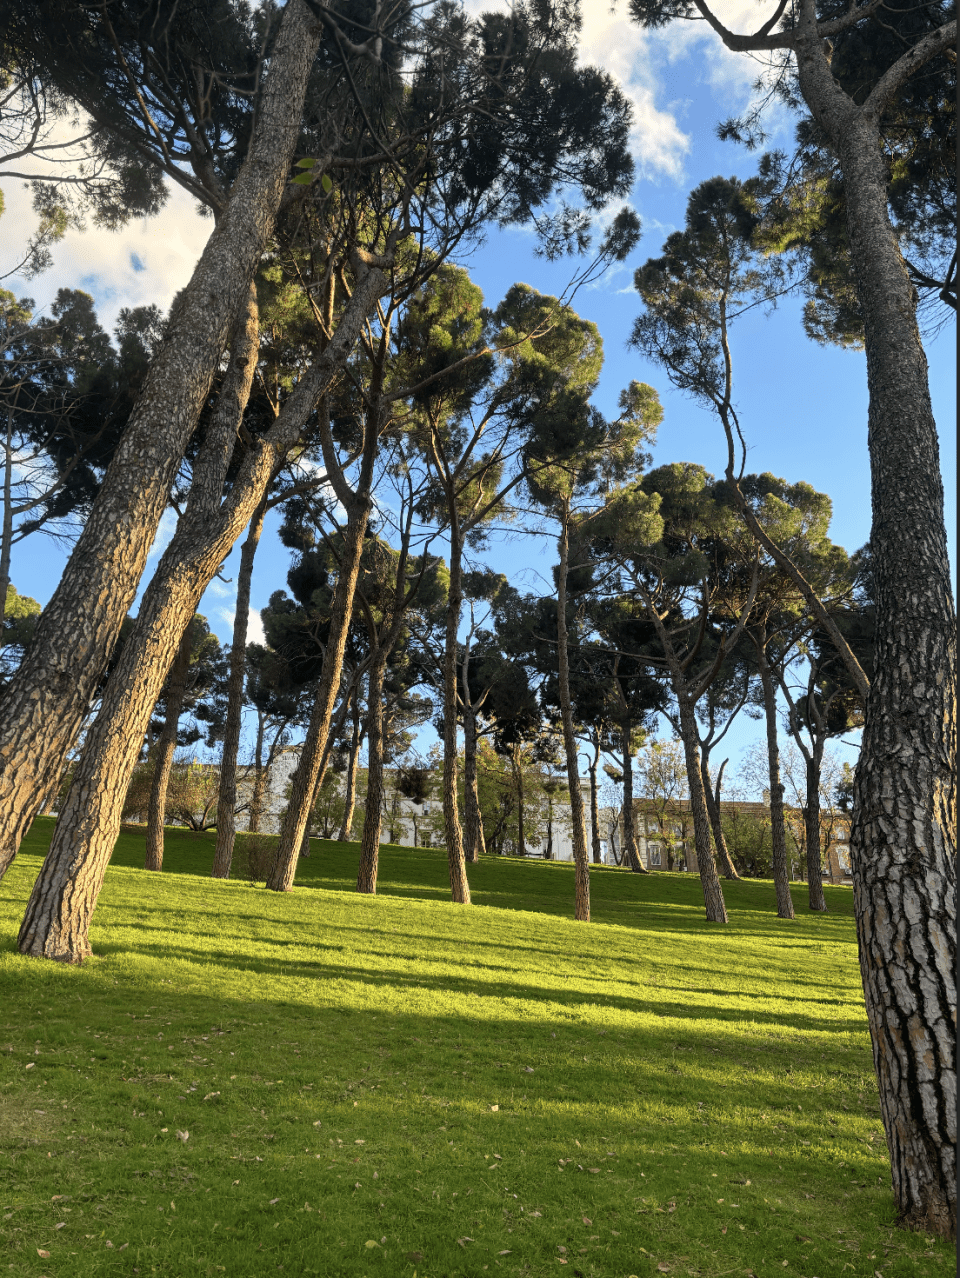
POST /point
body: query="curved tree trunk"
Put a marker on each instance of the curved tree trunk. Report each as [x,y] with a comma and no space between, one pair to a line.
[163,757]
[227,800]
[370,839]
[472,823]
[578,828]
[630,852]
[709,879]
[459,886]
[811,829]
[727,867]
[350,794]
[44,705]
[778,832]
[903,838]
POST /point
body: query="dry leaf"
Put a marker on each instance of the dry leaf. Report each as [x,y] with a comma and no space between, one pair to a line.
[587,1220]
[58,1198]
[236,1182]
[274,1200]
[45,1255]
[504,1253]
[210,1095]
[62,1225]
[562,1250]
[124,1246]
[662,1267]
[371,1242]
[184,1136]
[594,1170]
[527,1069]
[463,1241]
[30,1066]
[494,1108]
[108,1243]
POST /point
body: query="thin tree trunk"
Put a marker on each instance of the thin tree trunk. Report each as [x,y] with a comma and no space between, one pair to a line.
[350,795]
[44,705]
[6,538]
[595,802]
[548,851]
[630,851]
[811,829]
[521,831]
[577,825]
[370,839]
[163,758]
[472,826]
[227,801]
[903,837]
[710,882]
[259,780]
[728,869]
[339,719]
[459,886]
[778,833]
[318,729]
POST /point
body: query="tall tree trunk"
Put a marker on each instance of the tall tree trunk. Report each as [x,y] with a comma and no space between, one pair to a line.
[370,839]
[518,781]
[548,850]
[350,794]
[44,705]
[163,758]
[727,867]
[630,851]
[710,882]
[57,919]
[259,780]
[811,829]
[903,837]
[339,719]
[6,536]
[778,832]
[318,729]
[578,828]
[472,826]
[227,800]
[459,886]
[595,802]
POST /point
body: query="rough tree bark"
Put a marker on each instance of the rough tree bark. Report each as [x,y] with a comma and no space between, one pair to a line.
[778,829]
[903,837]
[165,748]
[44,704]
[64,897]
[592,767]
[472,822]
[578,829]
[227,800]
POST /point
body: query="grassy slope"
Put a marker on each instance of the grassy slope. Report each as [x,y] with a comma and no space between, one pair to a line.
[397,1085]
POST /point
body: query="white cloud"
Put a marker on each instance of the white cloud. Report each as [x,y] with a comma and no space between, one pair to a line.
[145,263]
[165,530]
[255,632]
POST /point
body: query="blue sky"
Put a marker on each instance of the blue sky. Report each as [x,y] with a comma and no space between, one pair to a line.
[803,407]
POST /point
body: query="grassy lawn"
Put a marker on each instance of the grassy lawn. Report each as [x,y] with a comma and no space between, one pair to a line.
[244,1083]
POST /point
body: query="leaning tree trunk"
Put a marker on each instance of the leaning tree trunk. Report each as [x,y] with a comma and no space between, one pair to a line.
[318,729]
[456,861]
[373,821]
[578,830]
[44,704]
[778,831]
[903,837]
[709,879]
[227,800]
[350,794]
[629,852]
[728,869]
[811,829]
[472,826]
[163,757]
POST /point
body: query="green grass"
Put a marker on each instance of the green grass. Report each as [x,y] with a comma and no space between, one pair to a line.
[396,1085]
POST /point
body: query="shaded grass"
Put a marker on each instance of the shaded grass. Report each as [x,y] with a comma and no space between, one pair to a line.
[667,1093]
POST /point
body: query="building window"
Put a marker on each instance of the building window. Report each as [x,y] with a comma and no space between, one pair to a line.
[843,860]
[653,854]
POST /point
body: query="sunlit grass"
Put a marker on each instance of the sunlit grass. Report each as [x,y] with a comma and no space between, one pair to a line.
[390,1085]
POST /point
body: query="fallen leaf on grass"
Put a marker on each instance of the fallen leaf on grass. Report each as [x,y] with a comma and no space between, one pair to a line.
[184,1136]
[587,1220]
[504,1253]
[44,1255]
[211,1095]
[594,1170]
[371,1242]
[274,1200]
[462,1242]
[494,1109]
[61,1225]
[662,1267]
